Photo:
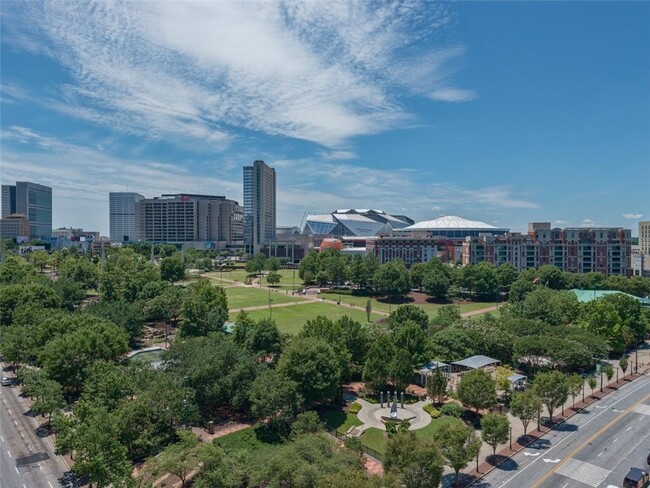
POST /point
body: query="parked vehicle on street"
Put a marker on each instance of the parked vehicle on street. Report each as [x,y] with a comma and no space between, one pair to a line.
[6,381]
[636,478]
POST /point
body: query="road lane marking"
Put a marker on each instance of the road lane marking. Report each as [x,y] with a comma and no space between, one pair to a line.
[531,454]
[628,428]
[588,441]
[40,466]
[600,454]
[644,385]
[3,439]
[9,453]
[548,460]
[50,484]
[614,440]
[565,485]
[22,435]
[643,409]
[9,410]
[16,470]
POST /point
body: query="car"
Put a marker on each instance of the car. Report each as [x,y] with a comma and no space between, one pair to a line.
[6,381]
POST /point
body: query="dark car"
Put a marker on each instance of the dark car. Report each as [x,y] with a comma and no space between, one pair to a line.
[636,478]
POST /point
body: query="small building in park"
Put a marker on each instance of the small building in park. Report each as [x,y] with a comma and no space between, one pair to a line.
[421,376]
[475,362]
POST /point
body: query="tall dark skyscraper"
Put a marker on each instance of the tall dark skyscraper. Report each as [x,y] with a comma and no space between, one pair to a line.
[259,205]
[32,200]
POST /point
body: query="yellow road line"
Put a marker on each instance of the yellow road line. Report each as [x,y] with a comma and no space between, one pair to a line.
[586,443]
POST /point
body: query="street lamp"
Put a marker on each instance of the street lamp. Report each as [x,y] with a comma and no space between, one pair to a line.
[293,280]
[270,308]
[511,438]
[636,362]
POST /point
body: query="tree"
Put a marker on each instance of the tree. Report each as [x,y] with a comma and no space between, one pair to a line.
[306,423]
[418,272]
[575,384]
[332,333]
[484,281]
[477,390]
[204,309]
[392,279]
[458,445]
[179,459]
[551,277]
[502,379]
[313,366]
[519,290]
[416,462]
[495,429]
[273,397]
[356,340]
[436,282]
[408,313]
[71,293]
[553,390]
[80,270]
[368,309]
[128,316]
[376,371]
[608,369]
[49,398]
[453,344]
[506,276]
[172,269]
[272,264]
[413,339]
[273,278]
[448,315]
[592,383]
[525,406]
[437,385]
[401,369]
[623,362]
[263,338]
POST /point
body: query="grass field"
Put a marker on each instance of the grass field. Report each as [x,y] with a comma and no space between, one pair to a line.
[292,318]
[376,439]
[339,420]
[380,306]
[248,441]
[241,297]
[287,281]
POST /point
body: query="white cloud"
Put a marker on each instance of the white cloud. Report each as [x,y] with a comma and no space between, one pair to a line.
[588,223]
[448,94]
[318,71]
[560,222]
[632,216]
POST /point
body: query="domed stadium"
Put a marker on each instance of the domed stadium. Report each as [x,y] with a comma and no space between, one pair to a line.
[355,222]
[451,227]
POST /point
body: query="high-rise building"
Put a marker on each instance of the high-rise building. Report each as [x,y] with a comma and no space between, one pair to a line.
[186,218]
[34,202]
[259,205]
[644,237]
[576,249]
[122,215]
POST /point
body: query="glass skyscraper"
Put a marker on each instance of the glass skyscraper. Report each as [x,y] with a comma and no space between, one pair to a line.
[122,215]
[32,200]
[259,205]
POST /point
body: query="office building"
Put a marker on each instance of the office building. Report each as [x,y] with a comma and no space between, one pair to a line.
[202,221]
[34,202]
[122,215]
[576,249]
[14,226]
[644,237]
[349,222]
[259,205]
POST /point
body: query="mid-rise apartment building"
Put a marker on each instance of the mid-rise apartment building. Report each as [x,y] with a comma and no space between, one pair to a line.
[121,215]
[644,237]
[187,218]
[14,226]
[259,205]
[576,249]
[34,202]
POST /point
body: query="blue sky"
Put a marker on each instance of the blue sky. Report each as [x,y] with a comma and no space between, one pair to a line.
[502,112]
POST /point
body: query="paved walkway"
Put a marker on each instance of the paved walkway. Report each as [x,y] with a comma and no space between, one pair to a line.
[371,413]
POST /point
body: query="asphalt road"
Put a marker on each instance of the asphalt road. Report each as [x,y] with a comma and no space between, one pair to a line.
[27,458]
[594,448]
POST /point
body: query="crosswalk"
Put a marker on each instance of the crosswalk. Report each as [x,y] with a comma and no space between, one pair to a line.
[587,473]
[643,409]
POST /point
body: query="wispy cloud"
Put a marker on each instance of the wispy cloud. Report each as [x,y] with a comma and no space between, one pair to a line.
[319,71]
[447,94]
[588,223]
[560,222]
[632,216]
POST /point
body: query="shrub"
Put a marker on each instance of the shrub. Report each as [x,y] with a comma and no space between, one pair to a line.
[354,408]
[431,410]
[452,409]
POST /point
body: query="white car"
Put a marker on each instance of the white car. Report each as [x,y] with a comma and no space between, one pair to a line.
[6,381]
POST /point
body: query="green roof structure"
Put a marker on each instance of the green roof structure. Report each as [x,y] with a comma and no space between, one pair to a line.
[589,295]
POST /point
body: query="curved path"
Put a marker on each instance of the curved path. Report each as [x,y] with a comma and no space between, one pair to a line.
[371,413]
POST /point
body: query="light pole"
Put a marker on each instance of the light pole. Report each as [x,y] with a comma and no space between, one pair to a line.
[511,438]
[636,362]
[293,280]
[270,308]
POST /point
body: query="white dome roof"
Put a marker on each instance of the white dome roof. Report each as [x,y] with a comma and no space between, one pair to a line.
[450,222]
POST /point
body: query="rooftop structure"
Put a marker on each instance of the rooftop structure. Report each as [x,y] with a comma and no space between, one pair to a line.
[355,222]
[476,362]
[452,226]
[590,295]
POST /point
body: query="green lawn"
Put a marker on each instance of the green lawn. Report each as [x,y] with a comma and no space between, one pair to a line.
[376,439]
[247,441]
[287,281]
[292,318]
[380,306]
[341,421]
[240,297]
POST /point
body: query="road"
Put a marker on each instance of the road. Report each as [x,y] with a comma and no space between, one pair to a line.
[27,458]
[594,448]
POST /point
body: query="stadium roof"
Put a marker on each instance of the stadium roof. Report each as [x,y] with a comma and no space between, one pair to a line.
[451,222]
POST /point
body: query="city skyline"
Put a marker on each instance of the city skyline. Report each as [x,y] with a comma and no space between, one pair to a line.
[503,113]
